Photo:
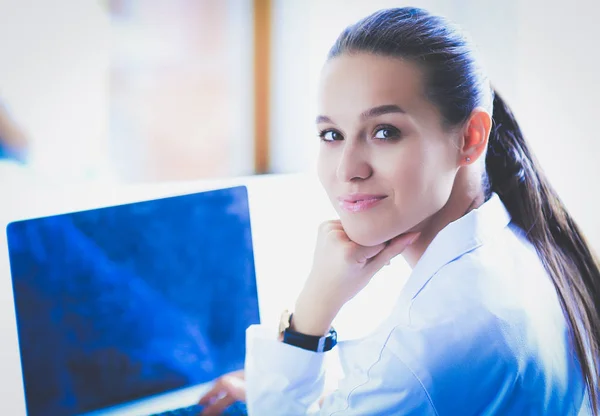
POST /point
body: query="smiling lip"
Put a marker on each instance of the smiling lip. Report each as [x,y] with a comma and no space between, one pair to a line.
[360,202]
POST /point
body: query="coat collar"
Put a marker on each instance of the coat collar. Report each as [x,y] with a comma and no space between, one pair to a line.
[456,239]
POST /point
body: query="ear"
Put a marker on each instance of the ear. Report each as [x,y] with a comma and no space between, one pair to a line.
[475,137]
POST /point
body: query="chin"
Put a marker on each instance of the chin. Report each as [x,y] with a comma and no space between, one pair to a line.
[365,236]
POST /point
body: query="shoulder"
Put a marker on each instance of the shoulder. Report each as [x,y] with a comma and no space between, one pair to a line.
[457,347]
[472,330]
[502,273]
[481,302]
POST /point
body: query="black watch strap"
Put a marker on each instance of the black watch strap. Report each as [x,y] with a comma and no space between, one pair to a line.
[310,342]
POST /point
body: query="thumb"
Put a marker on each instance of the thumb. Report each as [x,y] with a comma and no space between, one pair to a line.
[396,246]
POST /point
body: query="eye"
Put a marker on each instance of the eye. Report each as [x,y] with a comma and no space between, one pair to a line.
[330,136]
[387,133]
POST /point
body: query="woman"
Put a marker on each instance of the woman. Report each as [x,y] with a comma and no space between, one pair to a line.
[422,157]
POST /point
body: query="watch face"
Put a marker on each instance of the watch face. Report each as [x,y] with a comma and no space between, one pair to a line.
[284,322]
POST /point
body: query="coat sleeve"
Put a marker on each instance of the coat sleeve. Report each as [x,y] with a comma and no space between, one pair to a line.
[285,380]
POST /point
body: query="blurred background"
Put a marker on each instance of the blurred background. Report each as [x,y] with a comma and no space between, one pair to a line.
[129,91]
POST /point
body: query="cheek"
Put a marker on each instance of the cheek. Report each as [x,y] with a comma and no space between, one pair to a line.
[410,174]
[422,179]
[405,168]
[427,180]
[440,171]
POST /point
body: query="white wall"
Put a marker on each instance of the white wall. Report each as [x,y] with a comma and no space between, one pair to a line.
[542,55]
[558,88]
[54,79]
[290,103]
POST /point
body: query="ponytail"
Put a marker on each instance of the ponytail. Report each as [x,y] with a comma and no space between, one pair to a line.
[515,175]
[456,84]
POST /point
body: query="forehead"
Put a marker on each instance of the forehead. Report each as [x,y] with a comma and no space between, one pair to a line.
[365,80]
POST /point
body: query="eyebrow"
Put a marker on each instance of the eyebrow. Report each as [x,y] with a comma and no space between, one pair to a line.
[370,113]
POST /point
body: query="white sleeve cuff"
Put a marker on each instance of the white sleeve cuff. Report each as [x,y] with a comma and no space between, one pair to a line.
[281,376]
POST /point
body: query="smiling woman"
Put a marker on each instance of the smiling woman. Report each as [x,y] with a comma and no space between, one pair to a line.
[421,157]
[387,131]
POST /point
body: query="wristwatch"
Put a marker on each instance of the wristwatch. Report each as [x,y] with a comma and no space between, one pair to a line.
[307,342]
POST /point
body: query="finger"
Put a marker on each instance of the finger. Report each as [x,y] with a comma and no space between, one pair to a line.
[233,386]
[218,407]
[213,393]
[332,229]
[362,254]
[395,247]
[221,385]
[330,225]
[336,224]
[236,388]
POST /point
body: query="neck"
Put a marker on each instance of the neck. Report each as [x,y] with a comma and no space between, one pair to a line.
[462,200]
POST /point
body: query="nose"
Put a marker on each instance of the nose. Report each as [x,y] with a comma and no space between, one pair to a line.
[353,164]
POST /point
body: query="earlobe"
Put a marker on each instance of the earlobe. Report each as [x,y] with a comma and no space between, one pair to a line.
[476,136]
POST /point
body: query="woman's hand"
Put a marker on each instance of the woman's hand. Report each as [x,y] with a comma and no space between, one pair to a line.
[228,389]
[341,269]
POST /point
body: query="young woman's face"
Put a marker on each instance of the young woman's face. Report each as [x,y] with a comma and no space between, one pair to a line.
[385,161]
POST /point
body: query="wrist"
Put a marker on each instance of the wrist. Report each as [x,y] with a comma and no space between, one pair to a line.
[312,317]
